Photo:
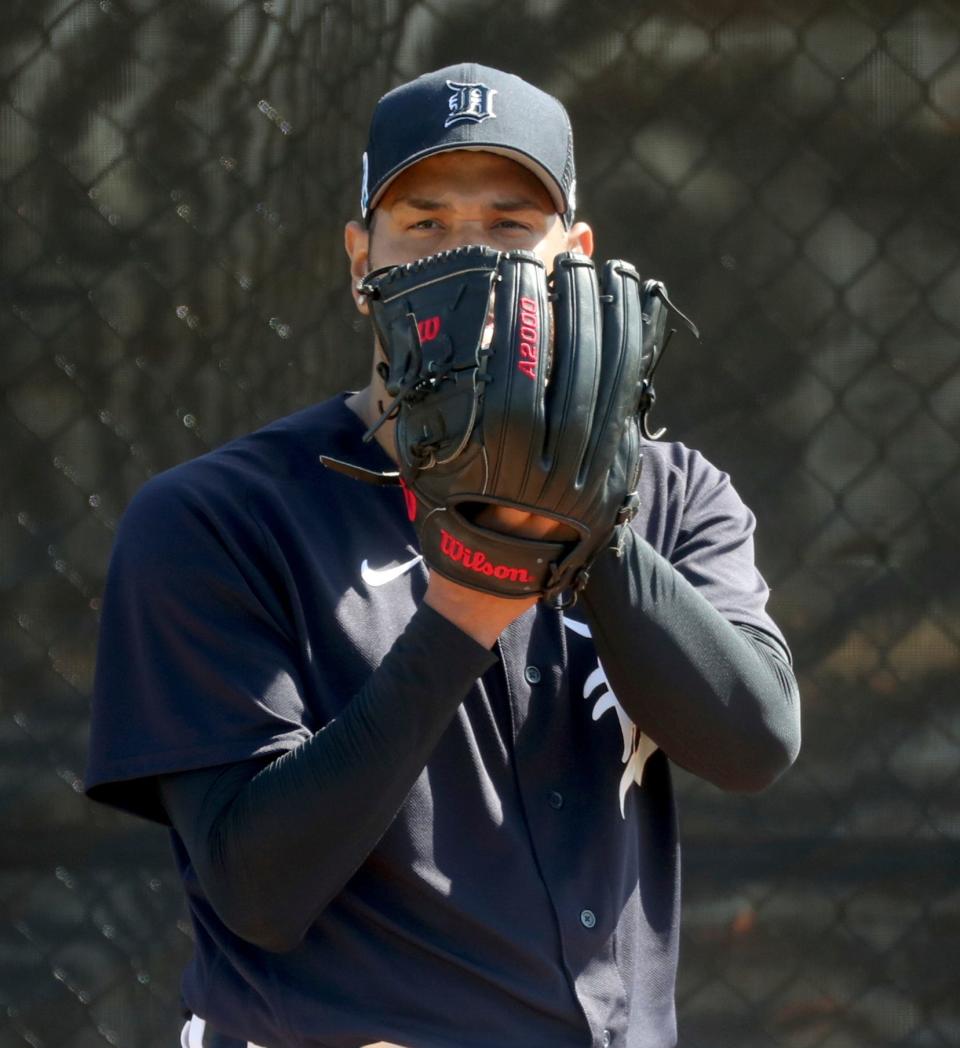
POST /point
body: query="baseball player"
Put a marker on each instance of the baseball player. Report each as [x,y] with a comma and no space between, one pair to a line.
[407,807]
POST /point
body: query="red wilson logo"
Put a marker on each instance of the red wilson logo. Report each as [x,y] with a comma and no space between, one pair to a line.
[476,560]
[428,329]
[529,337]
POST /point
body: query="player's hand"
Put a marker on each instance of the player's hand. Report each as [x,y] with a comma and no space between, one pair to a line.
[483,616]
[526,525]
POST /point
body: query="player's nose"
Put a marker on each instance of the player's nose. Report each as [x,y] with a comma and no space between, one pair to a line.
[467,231]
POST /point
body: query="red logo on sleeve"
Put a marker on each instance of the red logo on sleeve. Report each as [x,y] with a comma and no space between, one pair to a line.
[529,337]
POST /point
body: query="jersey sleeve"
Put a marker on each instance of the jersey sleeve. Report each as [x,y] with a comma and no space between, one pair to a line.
[193,669]
[714,547]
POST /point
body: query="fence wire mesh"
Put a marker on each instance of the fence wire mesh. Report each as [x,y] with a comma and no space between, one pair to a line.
[174,176]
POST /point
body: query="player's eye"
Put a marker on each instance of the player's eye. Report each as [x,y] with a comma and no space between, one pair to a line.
[426,223]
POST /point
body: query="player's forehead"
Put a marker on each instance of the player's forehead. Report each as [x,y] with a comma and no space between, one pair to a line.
[461,176]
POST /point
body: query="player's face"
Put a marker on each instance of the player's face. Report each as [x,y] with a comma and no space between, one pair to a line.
[457,198]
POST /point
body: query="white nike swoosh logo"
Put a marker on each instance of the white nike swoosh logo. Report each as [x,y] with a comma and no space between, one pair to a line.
[381,576]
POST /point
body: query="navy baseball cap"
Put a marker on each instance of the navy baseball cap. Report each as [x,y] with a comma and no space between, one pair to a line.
[470,106]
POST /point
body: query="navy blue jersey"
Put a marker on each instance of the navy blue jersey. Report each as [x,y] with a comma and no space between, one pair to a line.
[527,892]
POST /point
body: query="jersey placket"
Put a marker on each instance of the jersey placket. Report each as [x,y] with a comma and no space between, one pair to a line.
[558,806]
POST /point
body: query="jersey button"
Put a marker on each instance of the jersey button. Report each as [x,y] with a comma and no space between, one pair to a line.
[588,918]
[532,675]
[606,1039]
[556,800]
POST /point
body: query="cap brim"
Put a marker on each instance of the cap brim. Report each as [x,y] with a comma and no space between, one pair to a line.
[524,159]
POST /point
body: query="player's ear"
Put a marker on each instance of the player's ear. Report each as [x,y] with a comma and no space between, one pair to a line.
[580,238]
[356,240]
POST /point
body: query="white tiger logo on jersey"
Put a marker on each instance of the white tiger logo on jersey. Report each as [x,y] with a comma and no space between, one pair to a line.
[637,747]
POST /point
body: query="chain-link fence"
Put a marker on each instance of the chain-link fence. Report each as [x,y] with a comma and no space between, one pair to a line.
[174,175]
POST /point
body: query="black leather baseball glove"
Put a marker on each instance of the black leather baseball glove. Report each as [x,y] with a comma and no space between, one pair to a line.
[509,390]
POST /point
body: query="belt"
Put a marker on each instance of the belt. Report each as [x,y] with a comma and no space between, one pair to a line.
[196,1034]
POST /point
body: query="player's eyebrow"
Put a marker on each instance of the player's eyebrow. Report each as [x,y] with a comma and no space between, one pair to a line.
[517,204]
[421,203]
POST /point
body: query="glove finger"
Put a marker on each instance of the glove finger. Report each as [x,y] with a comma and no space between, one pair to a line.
[573,379]
[432,314]
[513,410]
[621,367]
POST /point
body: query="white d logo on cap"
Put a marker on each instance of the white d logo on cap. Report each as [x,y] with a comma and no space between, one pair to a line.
[472,102]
